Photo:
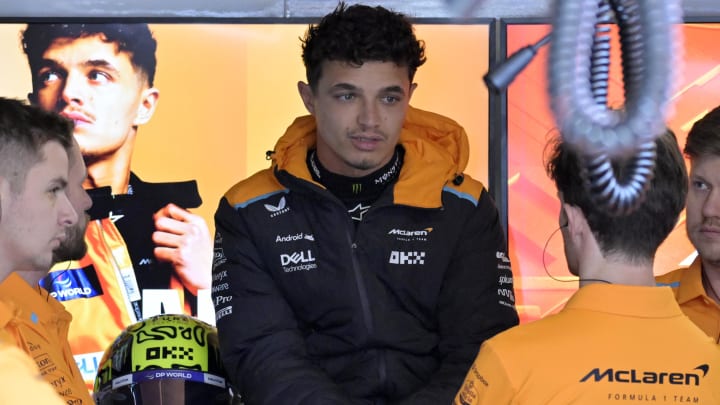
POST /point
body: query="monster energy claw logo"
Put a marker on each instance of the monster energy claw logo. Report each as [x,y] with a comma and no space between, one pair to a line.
[356,188]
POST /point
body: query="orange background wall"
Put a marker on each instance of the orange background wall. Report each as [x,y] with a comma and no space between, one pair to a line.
[228,91]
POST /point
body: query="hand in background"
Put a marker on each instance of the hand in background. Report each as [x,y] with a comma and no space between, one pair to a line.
[183,239]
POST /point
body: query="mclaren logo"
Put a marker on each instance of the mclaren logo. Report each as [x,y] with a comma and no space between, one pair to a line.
[403,232]
[410,235]
[278,209]
[633,376]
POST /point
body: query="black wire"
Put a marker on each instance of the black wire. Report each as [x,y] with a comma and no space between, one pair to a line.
[547,242]
[54,277]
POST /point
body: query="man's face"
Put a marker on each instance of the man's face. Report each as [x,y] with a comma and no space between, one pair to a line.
[74,247]
[91,83]
[34,221]
[359,113]
[703,208]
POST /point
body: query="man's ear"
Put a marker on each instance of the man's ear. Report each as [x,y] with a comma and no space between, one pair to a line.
[574,218]
[307,96]
[413,86]
[147,106]
[4,193]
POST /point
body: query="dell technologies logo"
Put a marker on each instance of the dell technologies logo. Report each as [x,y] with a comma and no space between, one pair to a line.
[303,260]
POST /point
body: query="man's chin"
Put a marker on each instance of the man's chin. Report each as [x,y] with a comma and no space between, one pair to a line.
[67,253]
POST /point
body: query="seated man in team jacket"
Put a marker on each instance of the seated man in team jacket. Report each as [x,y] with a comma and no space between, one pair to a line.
[363,266]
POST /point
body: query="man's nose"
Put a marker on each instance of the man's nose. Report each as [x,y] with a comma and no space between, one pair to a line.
[67,216]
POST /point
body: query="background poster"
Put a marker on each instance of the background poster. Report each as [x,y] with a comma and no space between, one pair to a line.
[227,93]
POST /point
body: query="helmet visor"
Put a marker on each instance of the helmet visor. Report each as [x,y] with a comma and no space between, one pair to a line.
[171,391]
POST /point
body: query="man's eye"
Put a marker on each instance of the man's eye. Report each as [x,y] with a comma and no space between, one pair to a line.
[699,185]
[390,99]
[50,76]
[98,76]
[345,96]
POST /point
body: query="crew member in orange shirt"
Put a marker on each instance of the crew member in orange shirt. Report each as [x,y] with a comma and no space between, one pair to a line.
[36,217]
[619,338]
[697,287]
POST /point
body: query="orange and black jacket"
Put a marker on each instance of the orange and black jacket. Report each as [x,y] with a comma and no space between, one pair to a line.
[312,309]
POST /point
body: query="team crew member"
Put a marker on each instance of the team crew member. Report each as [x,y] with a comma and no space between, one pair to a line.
[697,288]
[619,339]
[35,218]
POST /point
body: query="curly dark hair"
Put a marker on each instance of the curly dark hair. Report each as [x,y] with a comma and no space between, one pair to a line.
[358,34]
[135,39]
[637,235]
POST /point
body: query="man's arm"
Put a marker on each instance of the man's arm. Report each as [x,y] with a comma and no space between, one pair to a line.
[262,348]
[487,381]
[476,302]
[22,383]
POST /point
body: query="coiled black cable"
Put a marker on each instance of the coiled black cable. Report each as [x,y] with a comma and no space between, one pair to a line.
[578,76]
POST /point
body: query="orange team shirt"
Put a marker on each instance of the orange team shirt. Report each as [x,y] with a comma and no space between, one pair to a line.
[38,324]
[23,383]
[613,344]
[694,302]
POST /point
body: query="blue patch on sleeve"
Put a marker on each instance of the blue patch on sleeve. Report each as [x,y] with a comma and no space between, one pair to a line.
[72,284]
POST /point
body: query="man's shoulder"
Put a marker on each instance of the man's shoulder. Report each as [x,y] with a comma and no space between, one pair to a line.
[253,188]
[464,186]
[671,278]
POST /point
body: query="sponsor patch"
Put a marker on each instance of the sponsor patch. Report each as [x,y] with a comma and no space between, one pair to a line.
[71,284]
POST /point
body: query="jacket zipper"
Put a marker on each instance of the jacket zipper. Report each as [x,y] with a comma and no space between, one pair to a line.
[365,304]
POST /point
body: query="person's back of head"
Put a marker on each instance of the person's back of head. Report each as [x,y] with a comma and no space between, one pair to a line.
[635,236]
[135,39]
[357,34]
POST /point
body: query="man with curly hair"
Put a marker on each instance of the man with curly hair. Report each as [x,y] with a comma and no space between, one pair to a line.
[363,266]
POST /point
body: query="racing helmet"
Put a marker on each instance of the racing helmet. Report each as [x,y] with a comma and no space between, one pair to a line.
[164,359]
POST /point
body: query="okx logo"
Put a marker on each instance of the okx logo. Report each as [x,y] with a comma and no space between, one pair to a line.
[407,257]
